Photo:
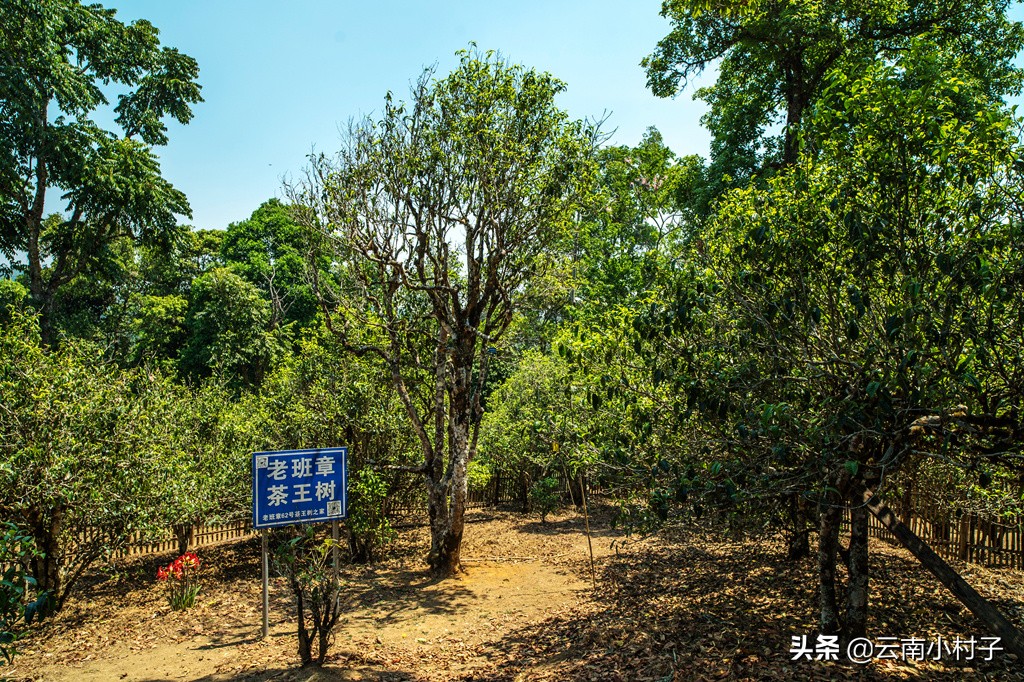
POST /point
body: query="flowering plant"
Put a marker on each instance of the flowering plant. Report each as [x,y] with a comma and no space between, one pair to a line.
[182,579]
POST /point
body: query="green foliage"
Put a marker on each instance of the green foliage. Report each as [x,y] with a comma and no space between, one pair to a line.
[169,270]
[322,396]
[843,315]
[20,600]
[638,219]
[93,304]
[88,445]
[58,54]
[479,474]
[12,293]
[203,468]
[269,251]
[12,297]
[305,560]
[69,455]
[134,298]
[370,531]
[527,413]
[775,61]
[546,496]
[990,490]
[228,331]
[158,328]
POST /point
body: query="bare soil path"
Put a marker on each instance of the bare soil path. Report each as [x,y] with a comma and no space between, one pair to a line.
[685,604]
[517,572]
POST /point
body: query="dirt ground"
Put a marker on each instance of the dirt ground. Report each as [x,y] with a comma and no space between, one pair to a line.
[680,605]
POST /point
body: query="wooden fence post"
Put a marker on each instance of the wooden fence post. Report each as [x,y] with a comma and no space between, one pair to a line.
[965,526]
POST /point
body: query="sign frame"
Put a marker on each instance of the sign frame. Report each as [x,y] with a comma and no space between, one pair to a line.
[291,455]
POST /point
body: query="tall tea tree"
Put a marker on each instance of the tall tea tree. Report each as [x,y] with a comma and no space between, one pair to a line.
[436,215]
[864,311]
[56,58]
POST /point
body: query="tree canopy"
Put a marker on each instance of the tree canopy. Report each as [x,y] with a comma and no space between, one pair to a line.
[776,58]
[438,215]
[60,60]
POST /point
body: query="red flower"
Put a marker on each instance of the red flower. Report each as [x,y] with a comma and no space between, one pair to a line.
[189,560]
[161,573]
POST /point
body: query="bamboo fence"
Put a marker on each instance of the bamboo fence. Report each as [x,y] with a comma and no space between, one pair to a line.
[203,535]
[958,534]
[955,535]
[971,537]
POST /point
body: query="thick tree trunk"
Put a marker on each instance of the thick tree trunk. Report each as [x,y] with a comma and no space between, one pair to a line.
[857,590]
[907,502]
[828,542]
[798,546]
[796,102]
[965,533]
[445,537]
[324,642]
[575,488]
[41,295]
[525,483]
[447,507]
[437,510]
[361,551]
[496,489]
[1011,638]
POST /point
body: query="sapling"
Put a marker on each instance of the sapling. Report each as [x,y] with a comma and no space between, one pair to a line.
[305,560]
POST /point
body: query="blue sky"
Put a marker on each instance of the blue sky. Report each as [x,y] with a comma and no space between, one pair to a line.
[280,78]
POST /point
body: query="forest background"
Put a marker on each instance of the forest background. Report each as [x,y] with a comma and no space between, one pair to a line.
[829,303]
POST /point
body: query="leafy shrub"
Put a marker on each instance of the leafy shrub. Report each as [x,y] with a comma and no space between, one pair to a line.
[82,436]
[369,528]
[479,474]
[546,496]
[19,602]
[305,560]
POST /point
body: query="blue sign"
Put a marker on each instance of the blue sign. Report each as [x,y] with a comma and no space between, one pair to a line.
[299,486]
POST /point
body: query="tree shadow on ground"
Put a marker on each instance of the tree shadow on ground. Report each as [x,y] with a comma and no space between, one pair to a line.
[227,562]
[237,634]
[568,527]
[396,593]
[575,523]
[699,609]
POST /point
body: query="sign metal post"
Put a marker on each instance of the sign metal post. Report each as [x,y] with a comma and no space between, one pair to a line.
[298,486]
[336,535]
[266,583]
